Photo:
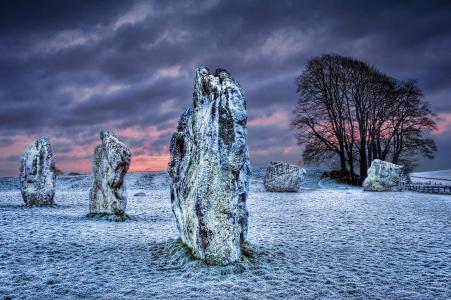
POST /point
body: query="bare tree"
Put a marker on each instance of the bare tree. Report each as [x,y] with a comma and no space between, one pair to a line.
[412,119]
[348,110]
[320,121]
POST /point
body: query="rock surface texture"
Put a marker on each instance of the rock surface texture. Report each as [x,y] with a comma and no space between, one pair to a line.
[283,177]
[209,169]
[37,173]
[383,176]
[108,195]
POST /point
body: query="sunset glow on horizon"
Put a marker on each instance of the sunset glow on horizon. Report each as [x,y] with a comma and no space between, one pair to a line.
[129,67]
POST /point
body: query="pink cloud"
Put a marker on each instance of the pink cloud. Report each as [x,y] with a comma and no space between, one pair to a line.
[443,123]
[78,157]
[277,118]
[144,163]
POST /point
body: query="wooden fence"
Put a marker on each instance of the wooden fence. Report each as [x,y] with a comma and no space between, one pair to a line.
[433,188]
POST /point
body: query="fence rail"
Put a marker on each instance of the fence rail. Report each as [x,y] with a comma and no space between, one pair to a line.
[428,188]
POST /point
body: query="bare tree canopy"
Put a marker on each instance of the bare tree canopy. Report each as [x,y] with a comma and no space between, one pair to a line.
[350,112]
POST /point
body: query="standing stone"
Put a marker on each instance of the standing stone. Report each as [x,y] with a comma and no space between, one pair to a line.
[283,177]
[209,169]
[383,176]
[37,173]
[108,195]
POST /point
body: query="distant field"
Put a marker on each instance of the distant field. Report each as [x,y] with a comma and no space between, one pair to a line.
[440,176]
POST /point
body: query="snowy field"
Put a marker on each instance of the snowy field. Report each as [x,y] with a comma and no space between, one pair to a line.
[319,243]
[441,176]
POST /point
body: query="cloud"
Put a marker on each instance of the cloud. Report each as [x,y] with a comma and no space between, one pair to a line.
[443,123]
[275,119]
[69,69]
[138,13]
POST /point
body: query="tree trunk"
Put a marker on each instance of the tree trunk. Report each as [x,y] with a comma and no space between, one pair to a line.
[342,162]
[351,170]
[363,161]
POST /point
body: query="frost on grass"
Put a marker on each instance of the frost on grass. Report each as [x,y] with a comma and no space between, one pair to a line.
[383,176]
[108,195]
[315,244]
[209,169]
[181,257]
[37,173]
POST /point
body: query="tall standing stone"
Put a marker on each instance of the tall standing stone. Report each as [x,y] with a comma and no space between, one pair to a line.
[209,169]
[37,173]
[383,176]
[108,195]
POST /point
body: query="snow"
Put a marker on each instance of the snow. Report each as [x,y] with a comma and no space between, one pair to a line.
[443,174]
[319,243]
[439,177]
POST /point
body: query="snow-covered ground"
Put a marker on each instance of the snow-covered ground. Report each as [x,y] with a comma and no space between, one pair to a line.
[319,243]
[441,176]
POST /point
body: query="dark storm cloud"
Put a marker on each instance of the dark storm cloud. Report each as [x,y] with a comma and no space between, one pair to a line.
[69,69]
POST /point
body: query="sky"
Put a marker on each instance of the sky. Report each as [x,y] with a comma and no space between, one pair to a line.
[71,68]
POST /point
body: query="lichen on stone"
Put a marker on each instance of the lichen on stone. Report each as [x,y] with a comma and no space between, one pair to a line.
[383,176]
[108,195]
[37,173]
[283,177]
[209,169]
